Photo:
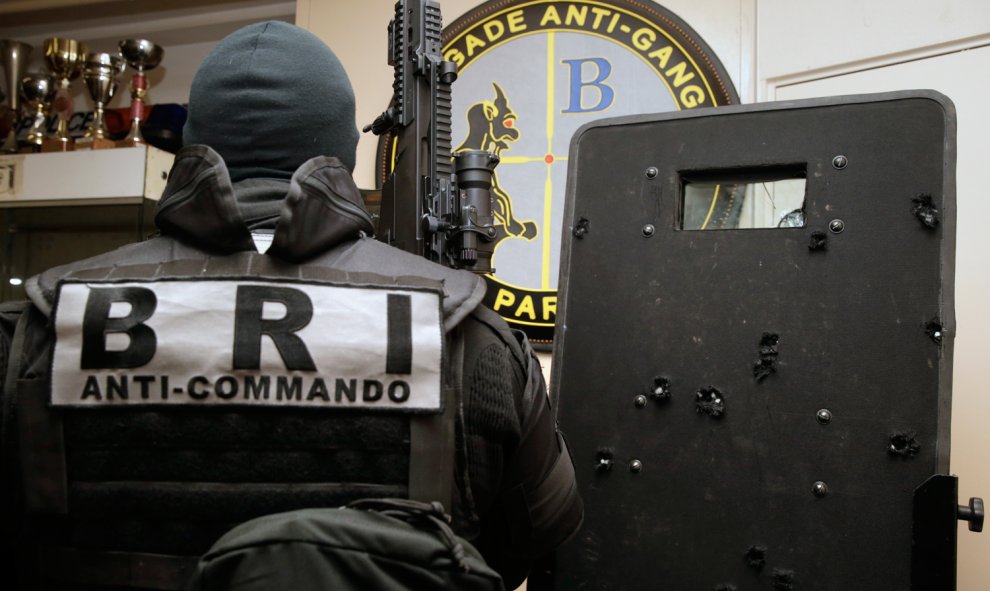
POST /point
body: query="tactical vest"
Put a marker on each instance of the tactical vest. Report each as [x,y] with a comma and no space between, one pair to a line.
[130,473]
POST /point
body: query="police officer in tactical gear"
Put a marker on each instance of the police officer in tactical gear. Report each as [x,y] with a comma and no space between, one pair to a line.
[264,353]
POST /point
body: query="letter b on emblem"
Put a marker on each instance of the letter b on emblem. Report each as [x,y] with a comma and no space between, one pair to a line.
[606,95]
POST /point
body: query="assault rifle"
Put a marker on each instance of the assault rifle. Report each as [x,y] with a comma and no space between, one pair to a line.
[427,208]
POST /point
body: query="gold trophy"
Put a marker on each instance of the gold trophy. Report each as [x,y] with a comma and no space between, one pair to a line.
[100,72]
[64,58]
[142,55]
[39,91]
[14,56]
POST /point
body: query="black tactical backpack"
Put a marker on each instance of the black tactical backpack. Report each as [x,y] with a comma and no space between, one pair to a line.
[370,544]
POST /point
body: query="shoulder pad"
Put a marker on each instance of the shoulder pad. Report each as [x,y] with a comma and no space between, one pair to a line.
[41,288]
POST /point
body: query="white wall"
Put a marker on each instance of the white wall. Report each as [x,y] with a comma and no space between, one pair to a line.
[808,39]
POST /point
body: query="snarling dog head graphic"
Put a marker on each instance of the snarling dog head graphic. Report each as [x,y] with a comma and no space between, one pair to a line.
[491,124]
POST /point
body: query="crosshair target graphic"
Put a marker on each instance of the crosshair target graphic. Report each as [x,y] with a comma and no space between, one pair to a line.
[530,73]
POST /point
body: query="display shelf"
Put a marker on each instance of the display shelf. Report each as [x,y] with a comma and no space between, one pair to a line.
[118,176]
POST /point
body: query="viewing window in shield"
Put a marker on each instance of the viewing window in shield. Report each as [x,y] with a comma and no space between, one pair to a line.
[742,200]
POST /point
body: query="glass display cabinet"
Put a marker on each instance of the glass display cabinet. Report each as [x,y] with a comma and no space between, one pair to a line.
[63,206]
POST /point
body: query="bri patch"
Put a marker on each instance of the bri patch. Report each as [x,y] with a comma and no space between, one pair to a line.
[247,342]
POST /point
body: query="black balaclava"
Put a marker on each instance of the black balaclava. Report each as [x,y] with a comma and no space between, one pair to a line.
[268,98]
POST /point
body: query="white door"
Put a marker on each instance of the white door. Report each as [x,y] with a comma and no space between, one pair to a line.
[950,54]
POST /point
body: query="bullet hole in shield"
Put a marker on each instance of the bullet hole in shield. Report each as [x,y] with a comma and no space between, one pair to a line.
[924,209]
[581,228]
[767,363]
[818,242]
[904,444]
[756,557]
[763,368]
[661,389]
[934,330]
[768,344]
[710,401]
[783,579]
[604,459]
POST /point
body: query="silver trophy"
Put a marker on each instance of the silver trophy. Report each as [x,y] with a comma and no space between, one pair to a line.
[14,56]
[100,72]
[39,91]
[142,55]
[64,58]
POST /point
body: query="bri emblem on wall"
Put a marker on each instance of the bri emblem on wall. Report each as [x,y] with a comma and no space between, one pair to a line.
[530,73]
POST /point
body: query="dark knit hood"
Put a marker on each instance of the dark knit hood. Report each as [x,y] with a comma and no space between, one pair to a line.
[320,208]
[268,98]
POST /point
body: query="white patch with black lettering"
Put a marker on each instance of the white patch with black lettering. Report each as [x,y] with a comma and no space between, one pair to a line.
[223,342]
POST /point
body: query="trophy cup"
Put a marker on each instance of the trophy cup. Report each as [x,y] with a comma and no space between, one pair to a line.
[64,59]
[142,55]
[14,56]
[39,91]
[100,73]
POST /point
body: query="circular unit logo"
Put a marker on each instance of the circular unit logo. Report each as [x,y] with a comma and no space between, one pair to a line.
[530,72]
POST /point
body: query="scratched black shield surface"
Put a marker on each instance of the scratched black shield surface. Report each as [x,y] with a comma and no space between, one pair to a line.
[775,493]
